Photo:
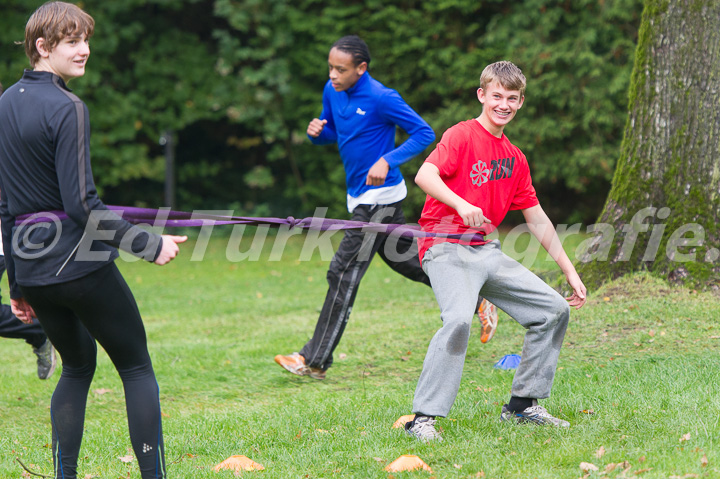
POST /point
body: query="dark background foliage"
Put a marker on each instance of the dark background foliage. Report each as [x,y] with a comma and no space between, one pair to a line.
[238,81]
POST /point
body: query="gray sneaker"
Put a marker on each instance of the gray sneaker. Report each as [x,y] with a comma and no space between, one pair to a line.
[534,414]
[46,360]
[423,429]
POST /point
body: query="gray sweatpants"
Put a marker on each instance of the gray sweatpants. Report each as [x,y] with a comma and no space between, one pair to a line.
[458,274]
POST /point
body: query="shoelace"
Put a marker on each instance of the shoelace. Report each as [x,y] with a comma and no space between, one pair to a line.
[537,411]
[426,428]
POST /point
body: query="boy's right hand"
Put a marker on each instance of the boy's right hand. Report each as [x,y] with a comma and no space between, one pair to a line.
[471,215]
[169,248]
[315,127]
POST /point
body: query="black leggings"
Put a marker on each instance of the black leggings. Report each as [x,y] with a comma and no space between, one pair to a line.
[74,314]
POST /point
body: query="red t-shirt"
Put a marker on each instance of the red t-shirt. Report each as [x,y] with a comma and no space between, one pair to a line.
[488,172]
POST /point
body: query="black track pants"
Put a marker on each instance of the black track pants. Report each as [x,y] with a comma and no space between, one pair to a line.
[347,268]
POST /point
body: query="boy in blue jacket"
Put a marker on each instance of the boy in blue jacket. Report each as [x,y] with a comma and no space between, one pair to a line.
[361,115]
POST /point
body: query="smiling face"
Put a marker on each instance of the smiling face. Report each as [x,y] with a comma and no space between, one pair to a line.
[499,106]
[342,70]
[67,59]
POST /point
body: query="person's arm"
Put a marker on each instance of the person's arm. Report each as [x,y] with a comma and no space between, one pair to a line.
[321,131]
[79,195]
[542,228]
[429,180]
[394,109]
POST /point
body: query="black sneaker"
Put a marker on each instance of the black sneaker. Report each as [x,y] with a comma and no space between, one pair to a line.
[534,414]
[46,360]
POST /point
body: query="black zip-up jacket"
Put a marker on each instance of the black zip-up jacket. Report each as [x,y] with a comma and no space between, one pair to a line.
[45,166]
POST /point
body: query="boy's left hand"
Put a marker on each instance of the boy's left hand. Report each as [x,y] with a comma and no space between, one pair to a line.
[378,172]
[579,296]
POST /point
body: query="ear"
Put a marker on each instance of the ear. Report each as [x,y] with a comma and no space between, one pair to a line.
[40,46]
[481,95]
[362,68]
[522,100]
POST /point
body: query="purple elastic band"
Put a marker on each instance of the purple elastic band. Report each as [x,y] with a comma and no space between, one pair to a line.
[177,219]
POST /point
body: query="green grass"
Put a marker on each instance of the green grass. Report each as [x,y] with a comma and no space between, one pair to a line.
[642,356]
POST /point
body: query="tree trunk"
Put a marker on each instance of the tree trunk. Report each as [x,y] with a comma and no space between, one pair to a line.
[663,209]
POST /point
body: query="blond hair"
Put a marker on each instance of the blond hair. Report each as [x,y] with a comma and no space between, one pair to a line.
[506,74]
[54,21]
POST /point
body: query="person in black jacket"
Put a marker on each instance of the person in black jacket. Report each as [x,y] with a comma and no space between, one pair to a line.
[62,268]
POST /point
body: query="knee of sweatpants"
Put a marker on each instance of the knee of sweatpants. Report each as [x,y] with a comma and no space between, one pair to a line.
[559,312]
[456,334]
[455,320]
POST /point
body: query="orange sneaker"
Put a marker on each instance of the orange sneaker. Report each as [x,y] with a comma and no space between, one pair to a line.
[295,364]
[488,315]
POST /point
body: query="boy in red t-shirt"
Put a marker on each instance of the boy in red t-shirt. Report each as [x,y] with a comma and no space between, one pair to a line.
[472,178]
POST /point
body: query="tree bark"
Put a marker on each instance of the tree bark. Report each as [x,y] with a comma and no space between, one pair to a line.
[663,208]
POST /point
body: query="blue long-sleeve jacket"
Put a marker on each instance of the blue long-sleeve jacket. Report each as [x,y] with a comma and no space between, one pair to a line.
[362,122]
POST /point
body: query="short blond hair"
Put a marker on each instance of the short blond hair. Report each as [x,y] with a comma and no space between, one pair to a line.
[54,21]
[507,74]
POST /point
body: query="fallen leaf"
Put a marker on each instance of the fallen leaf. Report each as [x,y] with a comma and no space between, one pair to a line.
[704,461]
[611,467]
[342,356]
[685,437]
[100,392]
[548,440]
[642,471]
[641,459]
[587,411]
[480,474]
[404,358]
[239,463]
[457,466]
[588,466]
[379,459]
[686,476]
[402,420]
[128,458]
[606,298]
[600,452]
[651,333]
[407,462]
